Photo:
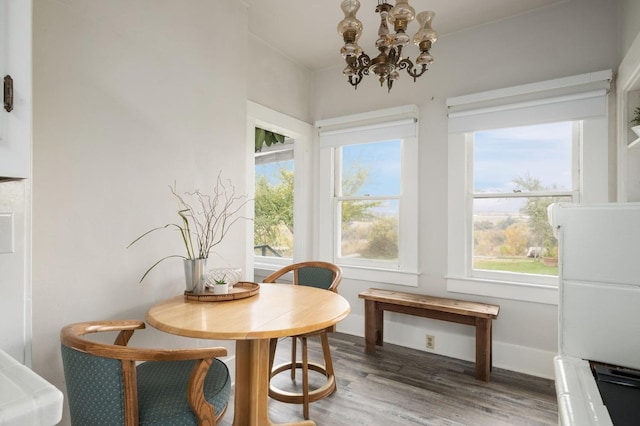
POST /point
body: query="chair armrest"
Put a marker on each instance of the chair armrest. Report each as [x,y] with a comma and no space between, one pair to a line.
[71,336]
[201,408]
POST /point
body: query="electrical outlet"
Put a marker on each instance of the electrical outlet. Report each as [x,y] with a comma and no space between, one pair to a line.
[431,342]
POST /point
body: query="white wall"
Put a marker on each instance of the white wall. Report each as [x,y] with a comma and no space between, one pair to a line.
[629,24]
[549,43]
[130,97]
[278,82]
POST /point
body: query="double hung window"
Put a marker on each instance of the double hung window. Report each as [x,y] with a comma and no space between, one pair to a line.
[517,173]
[512,152]
[281,193]
[368,194]
[274,201]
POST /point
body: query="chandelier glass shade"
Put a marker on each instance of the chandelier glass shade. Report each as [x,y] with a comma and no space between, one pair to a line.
[389,62]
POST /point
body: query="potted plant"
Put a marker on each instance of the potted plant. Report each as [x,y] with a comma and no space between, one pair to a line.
[221,286]
[205,220]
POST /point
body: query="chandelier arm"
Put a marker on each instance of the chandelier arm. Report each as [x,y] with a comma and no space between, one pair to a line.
[361,67]
[411,69]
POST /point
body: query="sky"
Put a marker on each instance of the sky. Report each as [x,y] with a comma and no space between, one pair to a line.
[542,151]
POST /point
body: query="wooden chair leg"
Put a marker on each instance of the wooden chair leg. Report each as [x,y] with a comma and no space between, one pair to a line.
[305,379]
[294,341]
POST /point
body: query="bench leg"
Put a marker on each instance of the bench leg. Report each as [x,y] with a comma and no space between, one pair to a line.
[483,349]
[373,332]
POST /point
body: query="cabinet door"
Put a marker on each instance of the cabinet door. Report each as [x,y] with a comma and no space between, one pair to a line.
[15,60]
[15,196]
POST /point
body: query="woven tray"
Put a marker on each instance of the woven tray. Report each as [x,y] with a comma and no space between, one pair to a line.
[238,291]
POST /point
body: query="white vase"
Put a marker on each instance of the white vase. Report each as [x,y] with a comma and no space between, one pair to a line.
[194,274]
[221,288]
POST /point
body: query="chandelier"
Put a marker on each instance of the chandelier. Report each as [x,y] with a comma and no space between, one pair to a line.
[389,62]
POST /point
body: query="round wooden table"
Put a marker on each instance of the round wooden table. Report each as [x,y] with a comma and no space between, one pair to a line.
[278,310]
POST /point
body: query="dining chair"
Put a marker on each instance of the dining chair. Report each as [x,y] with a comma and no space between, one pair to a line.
[107,384]
[322,275]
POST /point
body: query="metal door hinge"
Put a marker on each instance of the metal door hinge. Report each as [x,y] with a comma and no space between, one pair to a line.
[8,93]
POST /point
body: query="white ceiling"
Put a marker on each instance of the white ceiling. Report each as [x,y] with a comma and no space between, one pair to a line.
[306,30]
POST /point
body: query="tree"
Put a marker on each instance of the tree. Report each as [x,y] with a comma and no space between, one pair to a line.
[266,137]
[516,237]
[356,210]
[273,208]
[536,209]
[383,239]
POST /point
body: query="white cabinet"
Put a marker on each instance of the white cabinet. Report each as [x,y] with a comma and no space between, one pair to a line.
[15,60]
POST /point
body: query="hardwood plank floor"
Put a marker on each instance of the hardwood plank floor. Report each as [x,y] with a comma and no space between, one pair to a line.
[399,387]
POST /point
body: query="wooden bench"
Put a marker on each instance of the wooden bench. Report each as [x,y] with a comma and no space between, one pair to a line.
[480,315]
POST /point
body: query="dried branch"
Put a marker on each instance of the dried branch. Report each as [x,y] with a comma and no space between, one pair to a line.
[207,223]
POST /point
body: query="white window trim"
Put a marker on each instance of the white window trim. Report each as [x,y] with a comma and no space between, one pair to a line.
[593,172]
[372,127]
[302,134]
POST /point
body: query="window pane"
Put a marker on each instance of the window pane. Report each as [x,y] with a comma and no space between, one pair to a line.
[273,226]
[530,158]
[369,229]
[372,169]
[514,235]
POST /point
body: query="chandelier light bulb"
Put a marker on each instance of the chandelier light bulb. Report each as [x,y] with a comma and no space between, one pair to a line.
[401,15]
[350,27]
[426,32]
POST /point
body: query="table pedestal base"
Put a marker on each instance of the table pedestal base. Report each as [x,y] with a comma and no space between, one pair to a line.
[252,385]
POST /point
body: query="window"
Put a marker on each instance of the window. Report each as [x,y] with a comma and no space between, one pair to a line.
[512,152]
[368,207]
[273,200]
[517,173]
[367,200]
[281,228]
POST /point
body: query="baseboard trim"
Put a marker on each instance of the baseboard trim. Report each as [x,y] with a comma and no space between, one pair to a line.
[521,359]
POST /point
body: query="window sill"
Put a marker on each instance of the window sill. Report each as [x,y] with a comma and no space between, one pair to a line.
[536,293]
[378,275]
[409,279]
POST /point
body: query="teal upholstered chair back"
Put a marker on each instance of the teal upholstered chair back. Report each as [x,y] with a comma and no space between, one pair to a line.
[106,384]
[95,388]
[315,277]
[317,274]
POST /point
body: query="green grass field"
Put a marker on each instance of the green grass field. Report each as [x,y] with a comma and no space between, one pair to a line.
[522,265]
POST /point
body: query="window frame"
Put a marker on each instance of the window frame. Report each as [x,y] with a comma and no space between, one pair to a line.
[574,193]
[370,127]
[302,135]
[287,149]
[577,98]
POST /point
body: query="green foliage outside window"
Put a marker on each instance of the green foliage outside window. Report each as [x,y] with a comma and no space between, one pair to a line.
[273,223]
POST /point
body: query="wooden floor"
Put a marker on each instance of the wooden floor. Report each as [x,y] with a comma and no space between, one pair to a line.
[400,387]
